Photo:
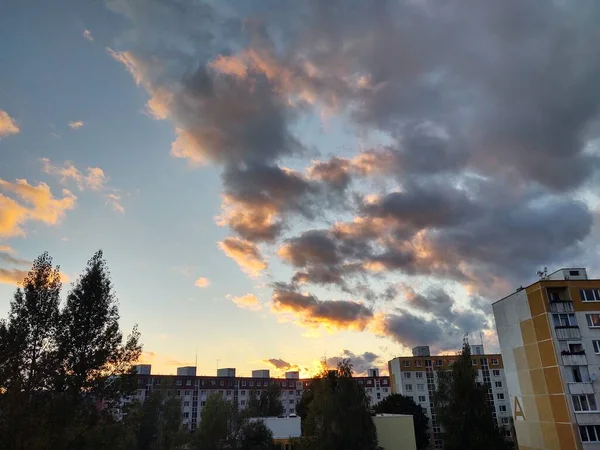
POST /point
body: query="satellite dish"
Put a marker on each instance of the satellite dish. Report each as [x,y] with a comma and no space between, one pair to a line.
[594,376]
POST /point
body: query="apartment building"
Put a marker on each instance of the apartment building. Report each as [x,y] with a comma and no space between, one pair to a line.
[415,376]
[549,335]
[194,390]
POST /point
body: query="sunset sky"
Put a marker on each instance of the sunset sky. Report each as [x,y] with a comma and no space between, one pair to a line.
[278,181]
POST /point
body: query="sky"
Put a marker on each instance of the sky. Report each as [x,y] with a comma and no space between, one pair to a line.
[274,182]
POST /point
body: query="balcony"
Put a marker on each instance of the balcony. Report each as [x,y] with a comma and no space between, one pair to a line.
[567,332]
[581,388]
[561,306]
[574,359]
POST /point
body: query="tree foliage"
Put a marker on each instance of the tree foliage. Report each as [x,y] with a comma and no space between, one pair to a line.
[400,404]
[61,370]
[267,403]
[463,410]
[336,413]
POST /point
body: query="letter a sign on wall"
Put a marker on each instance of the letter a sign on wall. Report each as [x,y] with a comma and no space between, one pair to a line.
[518,410]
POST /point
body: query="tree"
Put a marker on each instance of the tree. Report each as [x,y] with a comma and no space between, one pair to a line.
[265,404]
[463,410]
[338,415]
[28,352]
[220,423]
[255,435]
[399,404]
[61,372]
[95,360]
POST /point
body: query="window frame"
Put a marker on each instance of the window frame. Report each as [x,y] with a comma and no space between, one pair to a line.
[580,404]
[594,293]
[590,322]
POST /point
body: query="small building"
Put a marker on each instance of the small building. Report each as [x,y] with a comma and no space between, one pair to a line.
[187,371]
[228,372]
[395,431]
[263,373]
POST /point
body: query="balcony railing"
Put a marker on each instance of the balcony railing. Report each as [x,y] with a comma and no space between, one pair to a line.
[563,306]
[567,332]
[574,360]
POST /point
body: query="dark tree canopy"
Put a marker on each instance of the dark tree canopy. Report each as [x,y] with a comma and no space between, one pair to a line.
[61,370]
[463,410]
[337,413]
[265,403]
[400,404]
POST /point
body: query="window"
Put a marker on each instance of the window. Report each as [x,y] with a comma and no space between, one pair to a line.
[178,382]
[291,401]
[589,433]
[574,273]
[422,399]
[186,415]
[202,403]
[507,433]
[406,363]
[502,408]
[187,393]
[418,363]
[419,375]
[593,320]
[221,383]
[500,396]
[564,320]
[498,384]
[291,410]
[494,361]
[186,403]
[243,402]
[188,382]
[243,382]
[420,387]
[202,392]
[496,372]
[439,362]
[589,295]
[505,420]
[178,393]
[298,392]
[385,389]
[596,346]
[250,383]
[379,396]
[407,375]
[585,402]
[228,393]
[242,392]
[427,363]
[408,387]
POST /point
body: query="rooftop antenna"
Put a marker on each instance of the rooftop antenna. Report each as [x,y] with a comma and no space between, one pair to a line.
[196,362]
[543,274]
[481,337]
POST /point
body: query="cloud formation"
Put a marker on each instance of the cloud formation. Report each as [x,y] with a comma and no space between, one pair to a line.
[92,178]
[202,282]
[76,124]
[483,145]
[88,35]
[360,363]
[30,203]
[8,125]
[248,301]
[245,253]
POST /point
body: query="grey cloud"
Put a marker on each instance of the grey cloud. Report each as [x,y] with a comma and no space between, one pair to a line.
[336,313]
[360,363]
[280,364]
[10,259]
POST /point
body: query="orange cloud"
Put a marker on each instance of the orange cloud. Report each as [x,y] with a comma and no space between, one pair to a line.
[93,179]
[114,201]
[245,253]
[202,282]
[12,276]
[76,124]
[7,124]
[248,301]
[38,204]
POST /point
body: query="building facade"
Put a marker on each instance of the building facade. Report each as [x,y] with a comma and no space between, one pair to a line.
[195,390]
[549,335]
[415,376]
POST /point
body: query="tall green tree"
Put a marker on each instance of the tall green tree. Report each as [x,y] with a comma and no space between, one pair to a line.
[255,435]
[400,404]
[463,410]
[220,422]
[267,403]
[338,415]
